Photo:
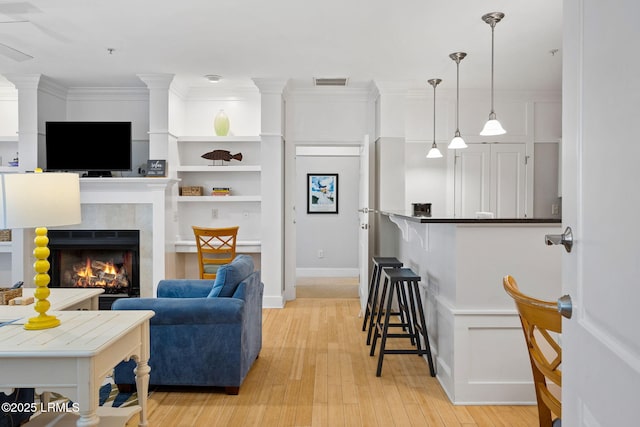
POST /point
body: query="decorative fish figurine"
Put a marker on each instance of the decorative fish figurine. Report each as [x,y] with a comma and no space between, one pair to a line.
[221,155]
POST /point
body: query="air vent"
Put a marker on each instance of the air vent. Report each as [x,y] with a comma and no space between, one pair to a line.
[337,81]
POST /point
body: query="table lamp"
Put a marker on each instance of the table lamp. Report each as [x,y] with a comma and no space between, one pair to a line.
[40,200]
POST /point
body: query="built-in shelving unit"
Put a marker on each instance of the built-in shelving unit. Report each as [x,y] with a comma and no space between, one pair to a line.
[8,150]
[241,207]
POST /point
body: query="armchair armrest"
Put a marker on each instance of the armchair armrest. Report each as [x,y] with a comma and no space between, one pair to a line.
[186,311]
[184,288]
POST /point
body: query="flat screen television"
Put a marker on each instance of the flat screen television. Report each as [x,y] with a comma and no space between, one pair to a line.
[98,148]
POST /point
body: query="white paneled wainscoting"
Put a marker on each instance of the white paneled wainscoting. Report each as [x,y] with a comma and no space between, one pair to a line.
[474,329]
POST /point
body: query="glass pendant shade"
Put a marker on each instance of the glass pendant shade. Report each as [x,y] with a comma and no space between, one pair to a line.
[492,127]
[457,142]
[434,153]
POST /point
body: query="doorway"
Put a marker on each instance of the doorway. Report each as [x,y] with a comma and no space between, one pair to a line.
[326,239]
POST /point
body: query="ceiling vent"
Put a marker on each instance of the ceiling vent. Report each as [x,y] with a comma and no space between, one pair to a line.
[336,81]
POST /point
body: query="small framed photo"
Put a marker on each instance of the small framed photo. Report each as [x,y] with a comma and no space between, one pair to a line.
[156,168]
[322,193]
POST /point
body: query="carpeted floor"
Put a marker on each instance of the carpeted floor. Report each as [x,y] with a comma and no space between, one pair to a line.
[327,287]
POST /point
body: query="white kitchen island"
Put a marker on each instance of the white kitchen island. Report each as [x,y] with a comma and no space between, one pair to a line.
[474,328]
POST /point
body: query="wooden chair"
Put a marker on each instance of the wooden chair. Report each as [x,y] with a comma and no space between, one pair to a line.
[541,324]
[216,247]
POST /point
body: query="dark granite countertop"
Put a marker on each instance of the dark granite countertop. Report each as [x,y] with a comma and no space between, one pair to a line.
[455,220]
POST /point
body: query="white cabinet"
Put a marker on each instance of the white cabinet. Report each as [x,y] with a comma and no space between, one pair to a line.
[491,178]
[242,207]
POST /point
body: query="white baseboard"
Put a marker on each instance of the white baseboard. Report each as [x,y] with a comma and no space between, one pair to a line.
[327,272]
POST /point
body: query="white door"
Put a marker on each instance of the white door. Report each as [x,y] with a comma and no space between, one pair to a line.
[508,180]
[472,180]
[601,203]
[364,216]
[490,177]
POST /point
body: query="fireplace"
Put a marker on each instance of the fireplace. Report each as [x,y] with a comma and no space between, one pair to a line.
[108,259]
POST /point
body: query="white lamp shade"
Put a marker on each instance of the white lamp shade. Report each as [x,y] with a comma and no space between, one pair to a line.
[40,200]
[456,143]
[492,127]
[434,153]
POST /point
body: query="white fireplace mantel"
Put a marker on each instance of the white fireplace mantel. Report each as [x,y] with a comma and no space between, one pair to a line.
[122,191]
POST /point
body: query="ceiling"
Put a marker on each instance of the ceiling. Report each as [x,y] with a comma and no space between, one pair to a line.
[106,43]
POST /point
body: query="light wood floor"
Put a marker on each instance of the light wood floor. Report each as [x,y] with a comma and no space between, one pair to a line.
[315,370]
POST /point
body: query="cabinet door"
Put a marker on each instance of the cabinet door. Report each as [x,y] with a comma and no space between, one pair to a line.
[472,180]
[490,178]
[508,177]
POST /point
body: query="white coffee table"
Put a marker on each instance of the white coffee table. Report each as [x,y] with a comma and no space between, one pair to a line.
[74,359]
[59,298]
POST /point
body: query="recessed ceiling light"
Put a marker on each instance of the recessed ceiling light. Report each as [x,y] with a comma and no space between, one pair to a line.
[213,78]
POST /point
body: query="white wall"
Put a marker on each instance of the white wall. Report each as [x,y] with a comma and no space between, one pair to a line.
[8,124]
[545,187]
[336,235]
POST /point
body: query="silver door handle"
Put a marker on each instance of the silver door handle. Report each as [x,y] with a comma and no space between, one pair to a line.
[565,239]
[565,306]
[367,210]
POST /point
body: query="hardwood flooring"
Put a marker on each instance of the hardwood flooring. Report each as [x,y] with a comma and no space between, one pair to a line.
[315,370]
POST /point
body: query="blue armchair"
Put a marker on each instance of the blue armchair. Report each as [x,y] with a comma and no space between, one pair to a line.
[204,332]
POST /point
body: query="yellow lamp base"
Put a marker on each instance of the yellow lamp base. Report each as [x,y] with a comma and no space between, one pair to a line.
[41,280]
[42,322]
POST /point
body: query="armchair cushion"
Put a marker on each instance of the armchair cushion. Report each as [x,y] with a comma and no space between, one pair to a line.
[230,275]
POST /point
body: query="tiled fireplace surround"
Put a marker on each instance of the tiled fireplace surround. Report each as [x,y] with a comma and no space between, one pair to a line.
[131,203]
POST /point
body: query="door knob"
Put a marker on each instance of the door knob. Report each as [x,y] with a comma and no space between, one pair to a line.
[565,306]
[565,239]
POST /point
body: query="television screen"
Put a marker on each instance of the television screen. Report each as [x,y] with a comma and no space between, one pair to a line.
[95,147]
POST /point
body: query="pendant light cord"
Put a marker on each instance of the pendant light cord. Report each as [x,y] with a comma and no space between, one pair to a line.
[493,26]
[457,97]
[434,113]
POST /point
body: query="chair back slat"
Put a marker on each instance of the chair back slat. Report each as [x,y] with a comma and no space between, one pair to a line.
[216,246]
[542,326]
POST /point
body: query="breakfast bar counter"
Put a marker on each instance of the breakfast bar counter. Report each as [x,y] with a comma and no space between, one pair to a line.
[474,328]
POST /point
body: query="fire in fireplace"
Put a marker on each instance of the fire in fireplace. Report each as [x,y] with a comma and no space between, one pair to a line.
[96,272]
[107,259]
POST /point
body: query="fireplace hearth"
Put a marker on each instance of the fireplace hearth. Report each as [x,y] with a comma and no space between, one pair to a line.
[107,259]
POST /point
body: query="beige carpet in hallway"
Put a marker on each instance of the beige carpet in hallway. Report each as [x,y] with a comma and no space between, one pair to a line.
[327,287]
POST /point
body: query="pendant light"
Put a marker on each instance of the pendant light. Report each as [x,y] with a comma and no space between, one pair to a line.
[434,153]
[457,141]
[493,126]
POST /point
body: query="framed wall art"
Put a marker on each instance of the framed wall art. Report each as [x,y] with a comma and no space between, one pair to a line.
[322,193]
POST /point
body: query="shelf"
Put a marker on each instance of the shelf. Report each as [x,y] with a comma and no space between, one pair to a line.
[242,246]
[251,168]
[219,138]
[9,169]
[5,247]
[5,138]
[219,199]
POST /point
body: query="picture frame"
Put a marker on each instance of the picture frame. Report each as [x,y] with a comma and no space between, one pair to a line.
[156,168]
[322,193]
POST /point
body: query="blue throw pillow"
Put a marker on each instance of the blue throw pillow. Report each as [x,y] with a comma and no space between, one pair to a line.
[230,275]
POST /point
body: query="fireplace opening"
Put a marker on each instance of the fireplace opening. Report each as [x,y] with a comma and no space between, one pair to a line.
[107,259]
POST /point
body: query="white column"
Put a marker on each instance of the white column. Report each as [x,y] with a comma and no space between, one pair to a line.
[158,85]
[272,188]
[391,106]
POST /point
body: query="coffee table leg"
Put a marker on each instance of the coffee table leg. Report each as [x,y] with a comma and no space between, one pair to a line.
[141,371]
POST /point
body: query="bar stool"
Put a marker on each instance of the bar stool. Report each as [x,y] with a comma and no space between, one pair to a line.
[397,280]
[373,304]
